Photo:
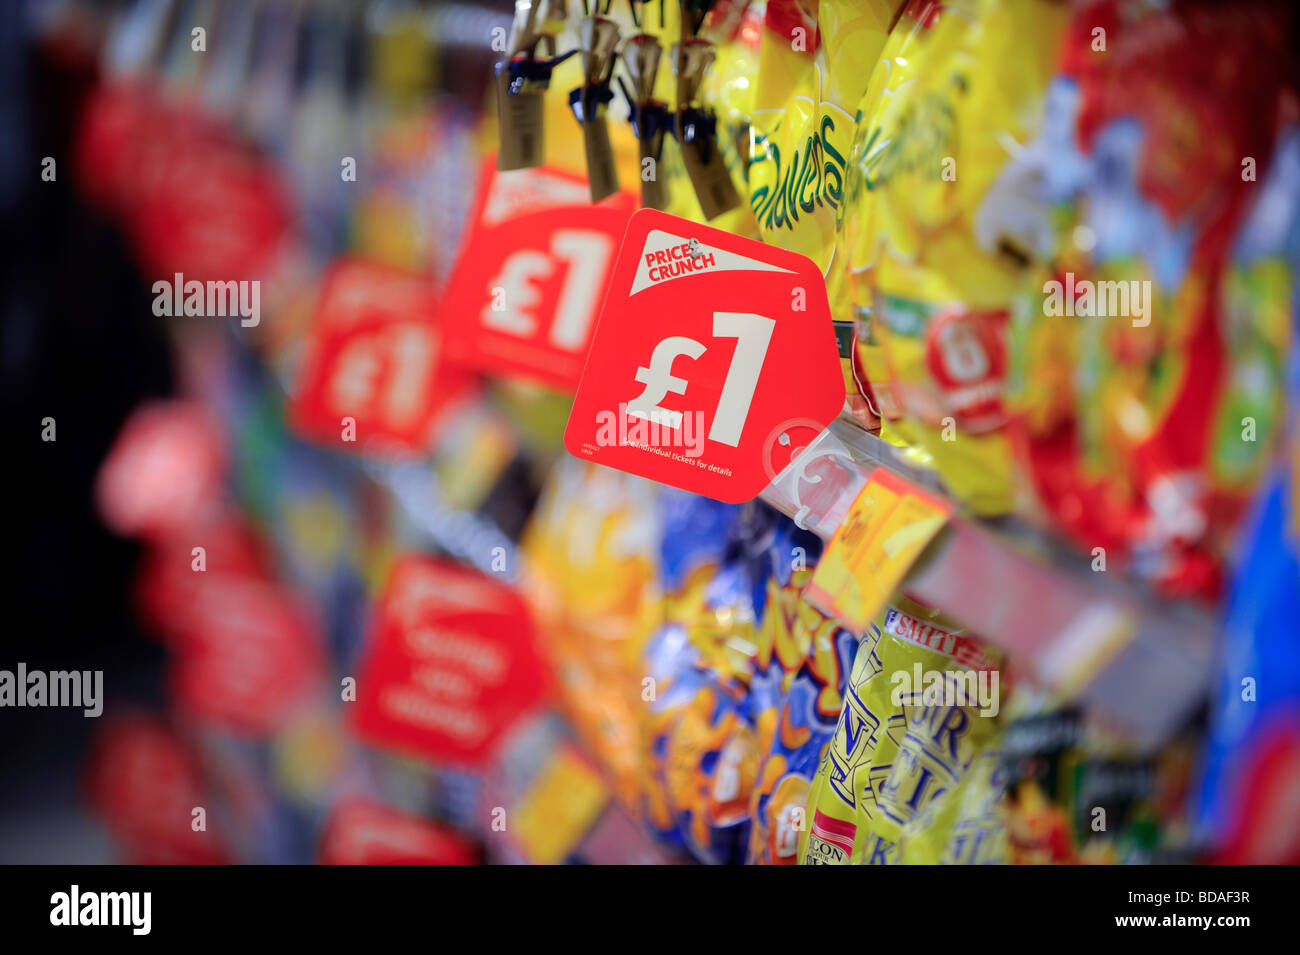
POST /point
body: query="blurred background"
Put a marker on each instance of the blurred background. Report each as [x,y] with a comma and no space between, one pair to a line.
[352,600]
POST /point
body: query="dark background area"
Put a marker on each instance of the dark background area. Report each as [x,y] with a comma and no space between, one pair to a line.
[79,343]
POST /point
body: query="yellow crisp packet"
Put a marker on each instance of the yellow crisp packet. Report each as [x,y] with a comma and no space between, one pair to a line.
[903,739]
[865,729]
[590,580]
[814,64]
[966,825]
[809,83]
[902,55]
[944,279]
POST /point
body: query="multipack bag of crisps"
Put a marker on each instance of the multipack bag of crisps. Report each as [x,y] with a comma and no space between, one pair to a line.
[949,255]
[800,670]
[1146,369]
[815,61]
[921,704]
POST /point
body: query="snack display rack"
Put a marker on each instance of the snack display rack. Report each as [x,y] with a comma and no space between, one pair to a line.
[657,424]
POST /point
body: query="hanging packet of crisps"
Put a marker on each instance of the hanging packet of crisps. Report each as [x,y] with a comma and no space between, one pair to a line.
[814,63]
[903,55]
[951,253]
[881,765]
[589,579]
[703,749]
[801,671]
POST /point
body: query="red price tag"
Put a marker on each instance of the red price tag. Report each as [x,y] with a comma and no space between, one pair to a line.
[452,665]
[714,362]
[145,783]
[374,373]
[530,281]
[118,122]
[212,211]
[164,471]
[249,659]
[169,587]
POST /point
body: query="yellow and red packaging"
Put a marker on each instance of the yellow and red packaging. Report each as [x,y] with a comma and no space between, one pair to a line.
[945,272]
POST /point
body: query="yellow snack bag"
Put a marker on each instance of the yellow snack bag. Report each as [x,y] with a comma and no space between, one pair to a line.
[853,35]
[589,576]
[966,825]
[814,63]
[916,714]
[941,286]
[864,733]
[902,56]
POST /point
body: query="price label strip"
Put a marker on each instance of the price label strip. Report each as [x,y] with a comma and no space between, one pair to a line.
[886,529]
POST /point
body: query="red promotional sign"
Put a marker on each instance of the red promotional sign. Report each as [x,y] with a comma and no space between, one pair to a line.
[169,587]
[249,659]
[118,121]
[361,832]
[196,200]
[452,664]
[164,471]
[529,283]
[211,210]
[713,364]
[373,375]
[145,783]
